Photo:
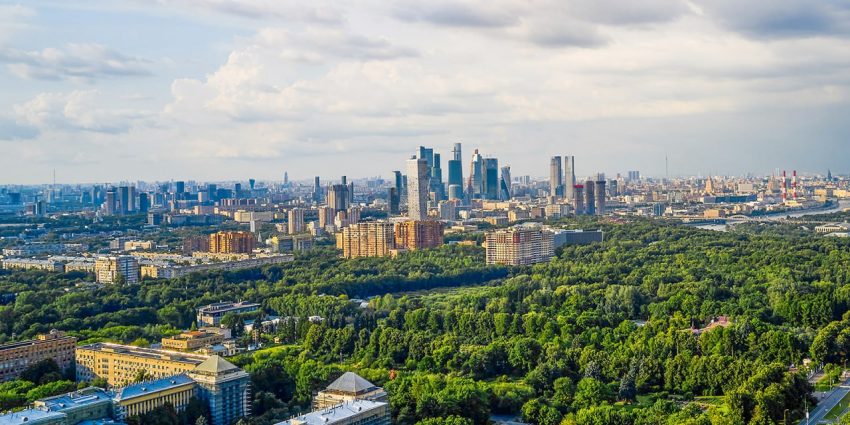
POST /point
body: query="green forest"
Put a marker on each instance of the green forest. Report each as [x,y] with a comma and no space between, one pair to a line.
[602,334]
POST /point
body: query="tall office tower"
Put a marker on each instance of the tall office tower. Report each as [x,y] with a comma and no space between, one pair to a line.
[252,183]
[397,181]
[413,235]
[417,188]
[179,188]
[456,170]
[393,201]
[212,189]
[476,177]
[455,192]
[589,198]
[111,200]
[344,180]
[600,197]
[368,239]
[232,242]
[225,388]
[131,201]
[491,179]
[437,179]
[295,221]
[144,202]
[123,199]
[578,205]
[569,177]
[505,184]
[326,216]
[428,155]
[556,177]
[634,176]
[338,197]
[116,269]
[285,178]
[351,193]
[317,190]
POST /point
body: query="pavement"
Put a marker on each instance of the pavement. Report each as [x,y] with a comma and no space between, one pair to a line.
[817,414]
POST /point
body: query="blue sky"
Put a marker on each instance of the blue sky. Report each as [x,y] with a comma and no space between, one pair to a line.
[227,89]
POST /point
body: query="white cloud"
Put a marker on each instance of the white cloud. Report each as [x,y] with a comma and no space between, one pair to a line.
[75,61]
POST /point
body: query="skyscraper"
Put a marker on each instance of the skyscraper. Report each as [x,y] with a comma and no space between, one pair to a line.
[338,197]
[589,198]
[317,190]
[600,197]
[123,199]
[393,201]
[111,201]
[578,191]
[476,177]
[436,184]
[569,177]
[556,182]
[456,169]
[295,221]
[505,184]
[491,178]
[417,188]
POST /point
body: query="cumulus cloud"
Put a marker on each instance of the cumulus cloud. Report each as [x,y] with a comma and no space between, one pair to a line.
[76,110]
[77,61]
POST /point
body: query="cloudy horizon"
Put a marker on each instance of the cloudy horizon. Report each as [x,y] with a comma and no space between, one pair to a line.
[230,90]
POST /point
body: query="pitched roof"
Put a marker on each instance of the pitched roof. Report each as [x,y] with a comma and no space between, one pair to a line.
[215,365]
[350,382]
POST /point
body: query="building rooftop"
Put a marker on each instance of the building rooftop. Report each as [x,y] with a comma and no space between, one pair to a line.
[334,414]
[147,352]
[215,365]
[223,306]
[70,401]
[150,387]
[351,382]
[30,416]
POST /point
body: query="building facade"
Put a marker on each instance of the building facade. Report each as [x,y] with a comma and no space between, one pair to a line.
[519,246]
[15,357]
[117,269]
[418,185]
[120,365]
[368,239]
[210,315]
[225,388]
[413,235]
[233,242]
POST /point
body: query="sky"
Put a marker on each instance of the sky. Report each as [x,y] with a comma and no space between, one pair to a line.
[126,90]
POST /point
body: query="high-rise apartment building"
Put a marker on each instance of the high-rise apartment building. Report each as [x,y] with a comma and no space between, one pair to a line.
[413,235]
[519,246]
[326,216]
[117,269]
[232,242]
[15,357]
[317,191]
[417,188]
[111,201]
[556,182]
[369,239]
[569,177]
[295,221]
[578,201]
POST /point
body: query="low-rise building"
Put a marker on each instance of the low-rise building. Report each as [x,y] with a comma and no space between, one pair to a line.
[33,264]
[140,398]
[348,387]
[88,404]
[191,340]
[15,357]
[121,364]
[359,412]
[210,315]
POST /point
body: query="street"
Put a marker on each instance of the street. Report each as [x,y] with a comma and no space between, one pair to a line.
[819,412]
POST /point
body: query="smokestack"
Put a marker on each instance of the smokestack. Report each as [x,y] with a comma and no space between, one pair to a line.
[794,184]
[784,186]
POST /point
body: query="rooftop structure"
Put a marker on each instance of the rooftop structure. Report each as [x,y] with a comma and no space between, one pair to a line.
[211,314]
[348,387]
[361,412]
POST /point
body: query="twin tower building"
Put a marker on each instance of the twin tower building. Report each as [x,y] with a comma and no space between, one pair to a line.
[587,198]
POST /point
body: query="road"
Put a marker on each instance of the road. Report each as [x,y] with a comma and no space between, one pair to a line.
[818,413]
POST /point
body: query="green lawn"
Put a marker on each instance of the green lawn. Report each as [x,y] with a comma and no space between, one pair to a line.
[713,401]
[839,409]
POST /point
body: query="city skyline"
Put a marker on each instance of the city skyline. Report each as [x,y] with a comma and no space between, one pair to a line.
[225,90]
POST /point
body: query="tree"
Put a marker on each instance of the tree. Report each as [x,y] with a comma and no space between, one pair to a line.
[42,372]
[590,392]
